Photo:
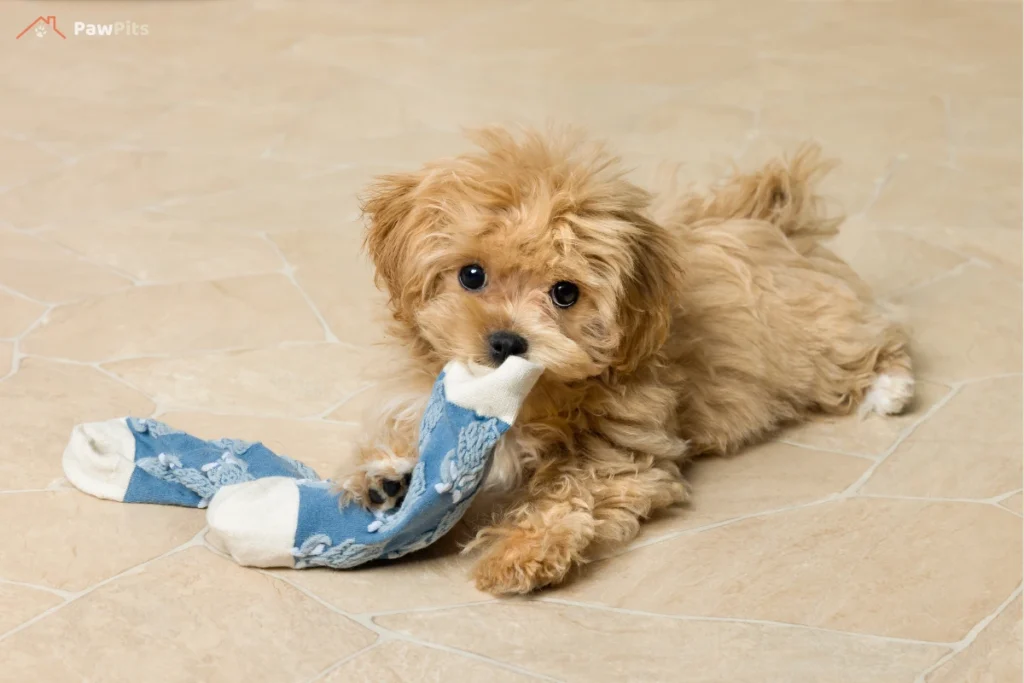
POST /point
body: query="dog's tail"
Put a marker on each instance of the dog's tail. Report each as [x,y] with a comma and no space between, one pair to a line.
[782,192]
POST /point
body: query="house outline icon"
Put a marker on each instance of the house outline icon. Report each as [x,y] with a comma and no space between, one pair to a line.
[50,21]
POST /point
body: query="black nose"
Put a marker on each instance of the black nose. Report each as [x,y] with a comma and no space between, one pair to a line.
[504,344]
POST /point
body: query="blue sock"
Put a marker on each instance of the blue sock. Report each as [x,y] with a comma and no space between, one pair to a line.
[142,460]
[268,510]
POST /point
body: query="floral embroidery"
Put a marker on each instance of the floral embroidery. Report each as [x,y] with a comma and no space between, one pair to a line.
[143,425]
[463,467]
[317,551]
[235,446]
[446,524]
[205,481]
[432,415]
[303,470]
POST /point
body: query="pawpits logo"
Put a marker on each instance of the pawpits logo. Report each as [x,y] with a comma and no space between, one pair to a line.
[118,28]
[46,27]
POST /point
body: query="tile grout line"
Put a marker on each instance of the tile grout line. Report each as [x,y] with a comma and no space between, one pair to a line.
[344,660]
[189,353]
[971,636]
[955,271]
[929,499]
[950,130]
[904,435]
[288,270]
[714,525]
[740,620]
[384,634]
[64,595]
[18,354]
[196,540]
[822,449]
[1003,496]
[42,236]
[881,183]
[25,297]
[991,378]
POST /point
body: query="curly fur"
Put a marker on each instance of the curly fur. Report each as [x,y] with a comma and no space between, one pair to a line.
[693,335]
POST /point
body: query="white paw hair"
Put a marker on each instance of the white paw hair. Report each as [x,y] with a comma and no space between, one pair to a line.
[888,395]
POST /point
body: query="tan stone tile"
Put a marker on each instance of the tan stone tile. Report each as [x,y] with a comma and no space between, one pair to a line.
[975,210]
[332,269]
[384,60]
[326,201]
[578,644]
[872,435]
[40,404]
[987,412]
[676,63]
[159,248]
[759,479]
[890,261]
[17,314]
[45,271]
[642,13]
[191,616]
[861,125]
[18,604]
[962,469]
[1014,504]
[970,448]
[404,150]
[400,662]
[69,540]
[963,49]
[434,577]
[689,132]
[995,655]
[6,358]
[299,381]
[230,128]
[253,311]
[80,125]
[861,565]
[966,326]
[664,179]
[24,161]
[515,30]
[324,446]
[289,85]
[97,76]
[406,20]
[355,408]
[118,180]
[320,134]
[987,123]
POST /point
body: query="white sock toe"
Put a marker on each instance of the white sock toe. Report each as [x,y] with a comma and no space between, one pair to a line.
[889,395]
[100,458]
[254,522]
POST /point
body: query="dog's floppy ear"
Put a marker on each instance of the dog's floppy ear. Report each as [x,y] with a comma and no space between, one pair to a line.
[651,293]
[389,206]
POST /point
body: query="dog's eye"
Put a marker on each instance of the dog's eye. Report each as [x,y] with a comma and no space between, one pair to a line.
[472,277]
[565,294]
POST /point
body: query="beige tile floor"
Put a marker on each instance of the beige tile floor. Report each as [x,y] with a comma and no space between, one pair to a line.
[179,237]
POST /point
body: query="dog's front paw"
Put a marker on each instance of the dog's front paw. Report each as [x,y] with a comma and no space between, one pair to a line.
[521,562]
[378,484]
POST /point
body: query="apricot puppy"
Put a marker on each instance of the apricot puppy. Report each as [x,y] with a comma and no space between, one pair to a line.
[695,333]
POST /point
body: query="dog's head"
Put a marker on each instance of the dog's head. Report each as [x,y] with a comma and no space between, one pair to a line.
[534,246]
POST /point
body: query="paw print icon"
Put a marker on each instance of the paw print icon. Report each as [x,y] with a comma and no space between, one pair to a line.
[42,27]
